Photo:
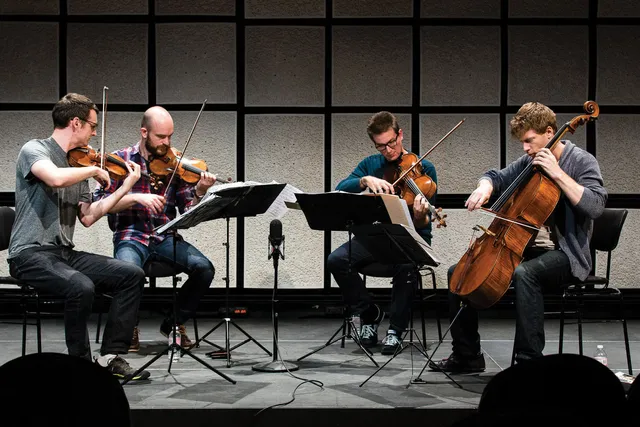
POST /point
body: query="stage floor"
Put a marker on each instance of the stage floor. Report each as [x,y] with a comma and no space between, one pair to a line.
[341,371]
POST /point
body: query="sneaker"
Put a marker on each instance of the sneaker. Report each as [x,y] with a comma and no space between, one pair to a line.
[121,369]
[369,329]
[185,341]
[459,365]
[135,341]
[391,343]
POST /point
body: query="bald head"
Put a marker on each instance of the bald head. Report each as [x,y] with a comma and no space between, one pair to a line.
[156,130]
[154,117]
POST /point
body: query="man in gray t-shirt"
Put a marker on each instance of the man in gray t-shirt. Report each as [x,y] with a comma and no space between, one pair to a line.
[50,195]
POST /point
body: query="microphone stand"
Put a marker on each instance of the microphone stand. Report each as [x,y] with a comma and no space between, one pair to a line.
[275,365]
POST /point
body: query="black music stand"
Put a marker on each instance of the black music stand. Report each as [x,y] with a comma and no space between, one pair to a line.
[204,211]
[394,244]
[246,200]
[340,211]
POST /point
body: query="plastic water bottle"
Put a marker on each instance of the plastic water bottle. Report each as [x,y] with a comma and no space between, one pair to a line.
[175,351]
[600,355]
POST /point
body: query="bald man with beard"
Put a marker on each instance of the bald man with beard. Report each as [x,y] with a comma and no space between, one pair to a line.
[145,208]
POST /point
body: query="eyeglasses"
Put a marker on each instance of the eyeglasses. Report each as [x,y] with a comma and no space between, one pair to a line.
[390,144]
[92,124]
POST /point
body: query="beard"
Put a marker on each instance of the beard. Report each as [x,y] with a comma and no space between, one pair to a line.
[158,151]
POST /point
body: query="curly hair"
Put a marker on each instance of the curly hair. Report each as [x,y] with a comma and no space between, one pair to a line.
[532,115]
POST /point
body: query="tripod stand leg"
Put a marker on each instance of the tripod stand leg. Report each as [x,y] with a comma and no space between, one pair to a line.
[328,343]
[149,363]
[249,338]
[187,352]
[419,380]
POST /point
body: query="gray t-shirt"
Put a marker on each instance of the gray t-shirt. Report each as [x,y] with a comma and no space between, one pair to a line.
[45,216]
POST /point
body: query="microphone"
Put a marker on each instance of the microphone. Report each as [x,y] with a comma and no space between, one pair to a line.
[275,236]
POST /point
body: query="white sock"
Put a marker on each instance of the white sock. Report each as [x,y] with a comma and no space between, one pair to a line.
[106,359]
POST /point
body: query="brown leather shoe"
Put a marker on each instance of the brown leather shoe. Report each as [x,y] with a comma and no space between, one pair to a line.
[185,341]
[135,341]
[458,365]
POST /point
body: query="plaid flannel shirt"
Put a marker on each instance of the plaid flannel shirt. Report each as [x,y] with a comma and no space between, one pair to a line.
[137,222]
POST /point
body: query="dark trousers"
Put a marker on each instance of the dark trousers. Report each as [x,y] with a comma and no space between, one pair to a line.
[540,270]
[76,276]
[189,260]
[355,294]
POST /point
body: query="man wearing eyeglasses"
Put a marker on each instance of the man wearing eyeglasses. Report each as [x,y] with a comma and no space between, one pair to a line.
[50,195]
[386,134]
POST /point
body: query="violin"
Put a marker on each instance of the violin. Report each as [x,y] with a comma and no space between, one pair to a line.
[87,156]
[188,170]
[409,180]
[484,272]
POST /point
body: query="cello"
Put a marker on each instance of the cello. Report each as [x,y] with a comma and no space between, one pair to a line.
[484,272]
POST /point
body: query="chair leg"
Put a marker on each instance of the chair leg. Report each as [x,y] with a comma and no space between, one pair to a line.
[99,326]
[435,290]
[580,326]
[561,333]
[38,324]
[513,351]
[25,316]
[195,329]
[626,335]
[422,319]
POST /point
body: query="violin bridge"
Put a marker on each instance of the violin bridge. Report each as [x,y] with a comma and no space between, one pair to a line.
[486,231]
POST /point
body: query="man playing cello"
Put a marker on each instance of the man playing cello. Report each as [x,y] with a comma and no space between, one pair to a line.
[557,253]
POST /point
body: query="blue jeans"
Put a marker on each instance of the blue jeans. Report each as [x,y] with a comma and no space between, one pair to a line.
[189,260]
[357,298]
[76,276]
[540,270]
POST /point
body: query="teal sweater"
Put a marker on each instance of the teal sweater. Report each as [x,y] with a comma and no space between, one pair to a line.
[375,165]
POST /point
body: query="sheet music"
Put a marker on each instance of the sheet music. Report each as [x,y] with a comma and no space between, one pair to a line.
[278,208]
[398,210]
[423,243]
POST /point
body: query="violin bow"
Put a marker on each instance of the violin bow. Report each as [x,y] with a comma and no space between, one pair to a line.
[104,124]
[428,152]
[184,150]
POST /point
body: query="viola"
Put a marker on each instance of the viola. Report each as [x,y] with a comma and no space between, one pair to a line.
[409,180]
[484,272]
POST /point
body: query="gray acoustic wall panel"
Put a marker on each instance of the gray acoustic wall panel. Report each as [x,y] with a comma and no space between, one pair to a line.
[284,66]
[113,55]
[200,63]
[514,147]
[18,127]
[287,149]
[539,68]
[618,8]
[372,8]
[29,7]
[618,152]
[195,7]
[29,54]
[450,243]
[284,9]
[460,65]
[460,9]
[624,260]
[372,65]
[466,154]
[618,80]
[111,7]
[548,9]
[349,145]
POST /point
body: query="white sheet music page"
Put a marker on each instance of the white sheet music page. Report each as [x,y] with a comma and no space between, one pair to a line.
[398,210]
[423,243]
[278,208]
